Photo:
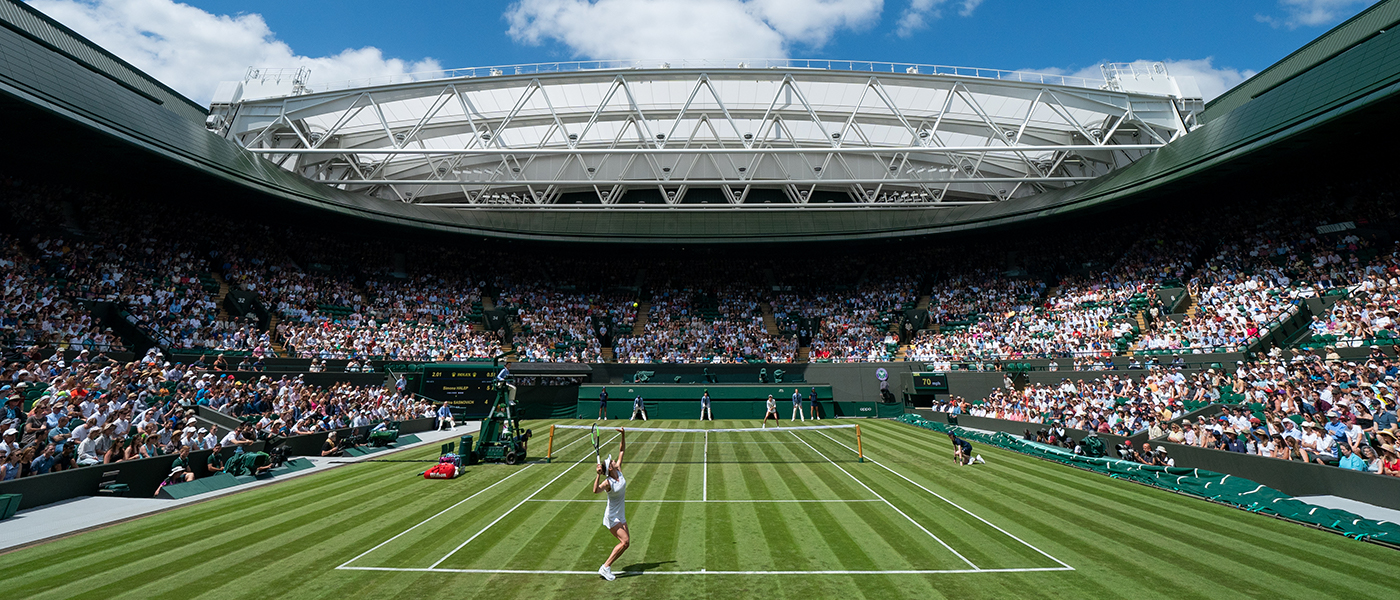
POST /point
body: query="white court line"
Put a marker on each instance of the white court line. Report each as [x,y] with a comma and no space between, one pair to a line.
[711,501]
[512,509]
[891,505]
[459,503]
[705,481]
[645,442]
[708,572]
[940,497]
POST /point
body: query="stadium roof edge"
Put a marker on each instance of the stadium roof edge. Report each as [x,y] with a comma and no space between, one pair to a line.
[1374,20]
[56,84]
[746,64]
[57,37]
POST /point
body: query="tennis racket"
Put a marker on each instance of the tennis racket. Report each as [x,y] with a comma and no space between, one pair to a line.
[596,452]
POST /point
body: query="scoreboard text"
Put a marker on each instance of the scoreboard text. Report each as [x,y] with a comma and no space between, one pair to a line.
[925,383]
[466,390]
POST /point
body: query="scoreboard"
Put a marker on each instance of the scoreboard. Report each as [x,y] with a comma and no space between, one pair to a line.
[930,383]
[465,388]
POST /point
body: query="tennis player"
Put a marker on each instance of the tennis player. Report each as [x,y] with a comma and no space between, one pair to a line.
[797,406]
[609,479]
[705,407]
[962,451]
[638,408]
[772,412]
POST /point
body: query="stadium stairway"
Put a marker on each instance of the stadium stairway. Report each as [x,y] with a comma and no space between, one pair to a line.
[770,323]
[923,304]
[608,356]
[223,293]
[802,354]
[643,317]
[277,348]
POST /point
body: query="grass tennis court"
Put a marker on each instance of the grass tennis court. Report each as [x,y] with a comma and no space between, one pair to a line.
[782,515]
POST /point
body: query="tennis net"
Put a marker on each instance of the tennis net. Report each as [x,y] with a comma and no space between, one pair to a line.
[679,445]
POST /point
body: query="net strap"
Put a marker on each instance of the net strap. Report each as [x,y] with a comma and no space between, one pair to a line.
[718,430]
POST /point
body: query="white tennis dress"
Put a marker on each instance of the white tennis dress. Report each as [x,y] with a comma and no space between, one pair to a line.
[617,497]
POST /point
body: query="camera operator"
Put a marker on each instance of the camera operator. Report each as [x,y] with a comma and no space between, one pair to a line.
[1126,452]
[331,447]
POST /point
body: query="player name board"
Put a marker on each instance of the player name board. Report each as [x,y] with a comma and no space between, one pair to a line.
[930,382]
[466,389]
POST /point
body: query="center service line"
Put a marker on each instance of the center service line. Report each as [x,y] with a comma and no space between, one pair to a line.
[512,509]
[940,497]
[891,505]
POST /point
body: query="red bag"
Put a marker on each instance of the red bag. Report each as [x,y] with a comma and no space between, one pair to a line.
[441,471]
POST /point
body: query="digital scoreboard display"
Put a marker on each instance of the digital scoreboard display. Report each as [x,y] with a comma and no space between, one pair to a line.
[466,389]
[926,383]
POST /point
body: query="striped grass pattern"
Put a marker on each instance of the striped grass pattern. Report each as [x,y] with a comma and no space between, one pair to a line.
[780,515]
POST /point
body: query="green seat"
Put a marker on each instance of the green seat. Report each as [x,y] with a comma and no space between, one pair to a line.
[9,505]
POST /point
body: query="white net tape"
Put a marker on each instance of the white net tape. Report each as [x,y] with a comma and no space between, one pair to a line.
[602,427]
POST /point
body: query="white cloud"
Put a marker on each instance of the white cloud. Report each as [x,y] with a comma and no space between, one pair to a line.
[920,12]
[1212,80]
[658,29]
[968,6]
[812,22]
[917,16]
[192,50]
[1311,13]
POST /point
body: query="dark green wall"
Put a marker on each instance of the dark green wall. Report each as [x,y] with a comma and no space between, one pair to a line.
[1291,477]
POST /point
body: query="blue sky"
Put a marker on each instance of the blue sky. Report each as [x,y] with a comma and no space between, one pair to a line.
[192,46]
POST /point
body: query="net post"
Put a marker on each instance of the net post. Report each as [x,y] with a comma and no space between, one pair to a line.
[860,452]
[549,454]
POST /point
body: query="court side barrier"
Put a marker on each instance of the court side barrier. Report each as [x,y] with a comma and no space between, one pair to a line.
[142,476]
[1218,487]
[310,444]
[1016,428]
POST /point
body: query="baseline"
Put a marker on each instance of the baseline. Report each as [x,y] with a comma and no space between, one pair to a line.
[890,504]
[707,572]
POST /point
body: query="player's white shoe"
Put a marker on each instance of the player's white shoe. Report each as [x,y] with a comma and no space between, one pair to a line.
[979,460]
[606,573]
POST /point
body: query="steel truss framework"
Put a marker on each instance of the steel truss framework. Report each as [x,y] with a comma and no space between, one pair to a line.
[541,139]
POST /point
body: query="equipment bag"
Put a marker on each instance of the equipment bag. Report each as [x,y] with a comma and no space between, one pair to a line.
[441,471]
